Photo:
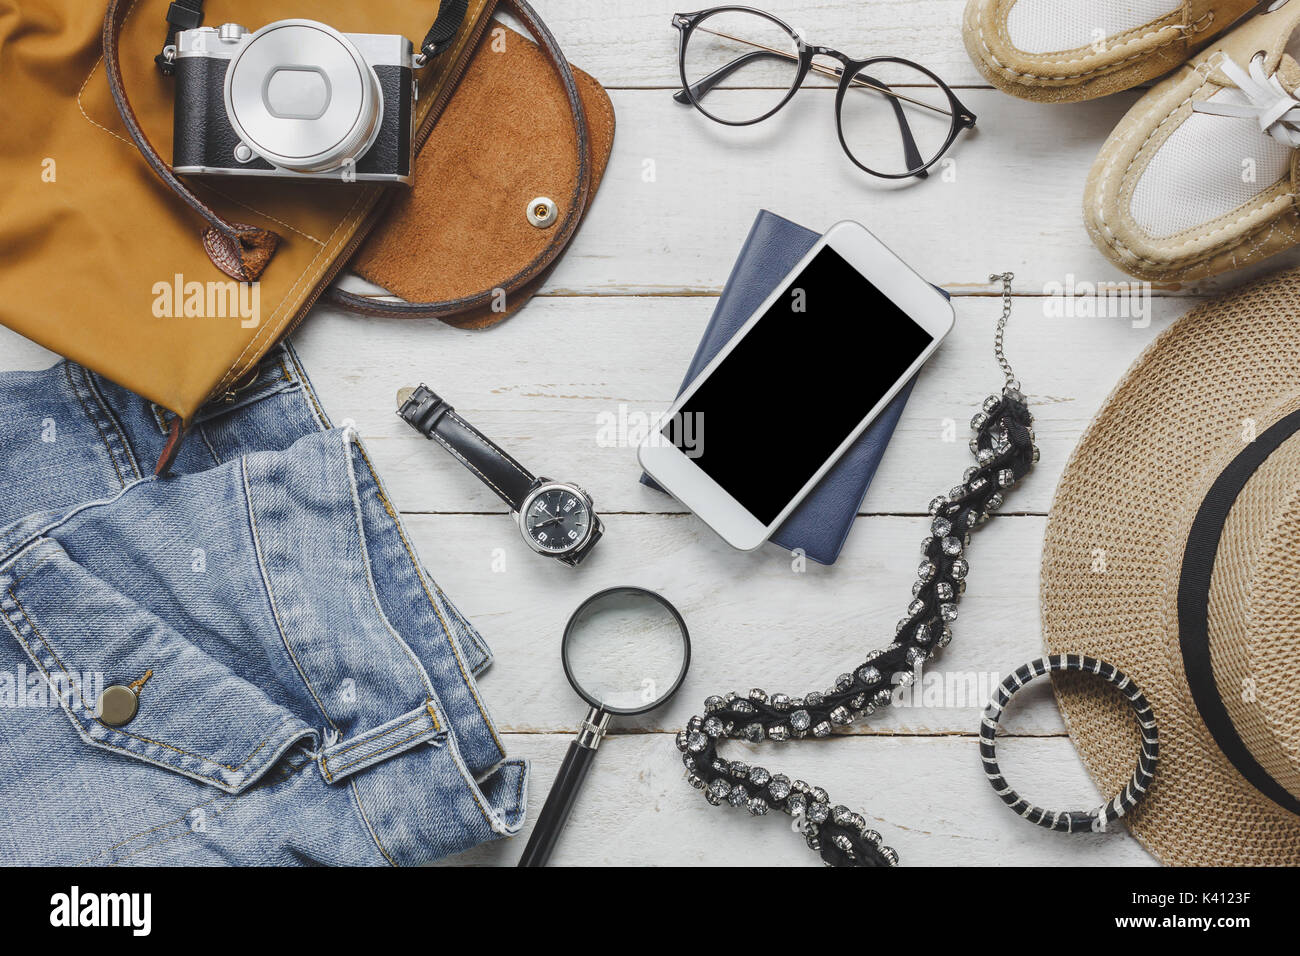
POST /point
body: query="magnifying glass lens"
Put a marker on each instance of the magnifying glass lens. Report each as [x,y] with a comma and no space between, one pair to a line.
[626,651]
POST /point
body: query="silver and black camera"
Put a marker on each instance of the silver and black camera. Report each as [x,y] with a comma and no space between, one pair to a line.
[295,99]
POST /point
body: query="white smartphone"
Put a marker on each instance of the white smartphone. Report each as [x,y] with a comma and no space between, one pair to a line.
[796,385]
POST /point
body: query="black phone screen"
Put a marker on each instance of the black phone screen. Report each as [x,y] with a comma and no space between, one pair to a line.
[795,387]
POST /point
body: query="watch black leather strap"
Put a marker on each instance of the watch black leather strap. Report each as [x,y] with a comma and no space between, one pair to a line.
[433,418]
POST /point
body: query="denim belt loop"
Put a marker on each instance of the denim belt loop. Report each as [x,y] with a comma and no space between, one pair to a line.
[346,757]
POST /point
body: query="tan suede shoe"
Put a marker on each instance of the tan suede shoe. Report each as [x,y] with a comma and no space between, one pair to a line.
[1200,176]
[1061,51]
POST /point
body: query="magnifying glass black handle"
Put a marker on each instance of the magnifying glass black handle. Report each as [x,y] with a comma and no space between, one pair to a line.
[555,814]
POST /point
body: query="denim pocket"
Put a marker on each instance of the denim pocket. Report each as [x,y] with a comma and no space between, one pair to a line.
[195,716]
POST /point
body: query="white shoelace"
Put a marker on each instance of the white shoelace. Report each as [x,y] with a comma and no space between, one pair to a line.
[1269,104]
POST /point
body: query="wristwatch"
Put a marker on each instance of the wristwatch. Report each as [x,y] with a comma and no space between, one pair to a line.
[556,518]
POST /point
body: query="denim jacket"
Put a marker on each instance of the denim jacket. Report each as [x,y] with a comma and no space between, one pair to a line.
[305,691]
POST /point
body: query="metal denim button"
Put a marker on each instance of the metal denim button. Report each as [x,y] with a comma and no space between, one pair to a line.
[542,212]
[118,705]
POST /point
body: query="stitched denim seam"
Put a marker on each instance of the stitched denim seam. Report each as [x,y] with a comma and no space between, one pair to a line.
[35,567]
[158,417]
[475,639]
[10,548]
[475,791]
[348,443]
[45,671]
[370,827]
[156,828]
[93,384]
[174,836]
[446,629]
[270,595]
[81,400]
[109,426]
[203,434]
[322,420]
[420,671]
[189,831]
[496,824]
[117,730]
[125,733]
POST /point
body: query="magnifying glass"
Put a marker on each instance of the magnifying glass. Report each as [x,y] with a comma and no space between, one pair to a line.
[626,651]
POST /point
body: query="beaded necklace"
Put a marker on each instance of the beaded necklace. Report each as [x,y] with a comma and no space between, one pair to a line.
[1004,450]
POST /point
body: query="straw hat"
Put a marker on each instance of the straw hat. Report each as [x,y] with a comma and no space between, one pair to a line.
[1173,552]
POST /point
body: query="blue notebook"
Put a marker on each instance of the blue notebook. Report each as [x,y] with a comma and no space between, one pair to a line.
[823,520]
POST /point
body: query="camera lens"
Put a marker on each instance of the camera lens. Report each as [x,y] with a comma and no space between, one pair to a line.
[302,96]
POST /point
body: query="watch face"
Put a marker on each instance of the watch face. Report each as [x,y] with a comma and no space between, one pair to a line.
[556,519]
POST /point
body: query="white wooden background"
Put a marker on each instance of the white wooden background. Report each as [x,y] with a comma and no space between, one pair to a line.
[620,319]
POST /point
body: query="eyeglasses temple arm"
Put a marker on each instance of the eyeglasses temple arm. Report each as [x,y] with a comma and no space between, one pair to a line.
[911,154]
[704,85]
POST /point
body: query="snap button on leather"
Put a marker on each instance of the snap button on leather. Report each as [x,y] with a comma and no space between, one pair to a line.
[542,212]
[117,705]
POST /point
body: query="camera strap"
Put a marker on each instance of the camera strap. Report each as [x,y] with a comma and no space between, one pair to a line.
[188,15]
[445,27]
[181,15]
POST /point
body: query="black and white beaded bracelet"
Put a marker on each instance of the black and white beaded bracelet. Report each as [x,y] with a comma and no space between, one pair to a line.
[1071,821]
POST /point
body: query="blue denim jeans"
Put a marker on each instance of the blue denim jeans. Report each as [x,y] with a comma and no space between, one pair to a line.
[305,691]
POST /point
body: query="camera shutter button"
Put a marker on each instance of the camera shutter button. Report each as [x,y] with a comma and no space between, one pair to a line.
[231,32]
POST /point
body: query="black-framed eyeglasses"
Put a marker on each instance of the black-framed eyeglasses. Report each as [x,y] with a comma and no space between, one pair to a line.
[740,65]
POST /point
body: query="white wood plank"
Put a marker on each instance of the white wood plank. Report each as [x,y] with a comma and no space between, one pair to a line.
[927,797]
[632,44]
[1011,200]
[1019,177]
[543,382]
[623,357]
[756,620]
[20,354]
